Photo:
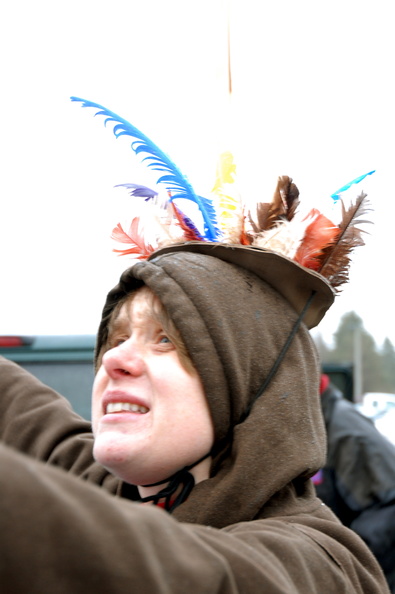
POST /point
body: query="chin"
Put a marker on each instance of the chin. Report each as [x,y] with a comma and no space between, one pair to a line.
[124,461]
[111,452]
[131,470]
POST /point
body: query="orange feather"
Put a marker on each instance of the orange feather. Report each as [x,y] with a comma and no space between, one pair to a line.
[319,234]
[133,237]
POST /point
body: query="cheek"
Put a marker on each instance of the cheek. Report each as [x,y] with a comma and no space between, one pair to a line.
[197,409]
[98,388]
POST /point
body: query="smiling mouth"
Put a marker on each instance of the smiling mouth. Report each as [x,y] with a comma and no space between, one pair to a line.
[116,407]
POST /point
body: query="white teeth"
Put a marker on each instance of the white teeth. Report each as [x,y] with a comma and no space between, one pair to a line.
[114,407]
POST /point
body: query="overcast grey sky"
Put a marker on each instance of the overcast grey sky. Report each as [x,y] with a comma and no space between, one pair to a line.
[313,98]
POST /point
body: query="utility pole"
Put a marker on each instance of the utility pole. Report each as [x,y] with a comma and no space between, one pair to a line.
[357,396]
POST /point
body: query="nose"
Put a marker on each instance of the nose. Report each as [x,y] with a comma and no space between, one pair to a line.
[124,359]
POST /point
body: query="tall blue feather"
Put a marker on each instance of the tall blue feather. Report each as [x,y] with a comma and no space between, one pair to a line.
[159,161]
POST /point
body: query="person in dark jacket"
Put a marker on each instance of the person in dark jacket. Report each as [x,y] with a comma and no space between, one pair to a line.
[358,481]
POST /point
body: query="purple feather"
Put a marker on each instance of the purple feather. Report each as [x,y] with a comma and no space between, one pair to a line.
[140,191]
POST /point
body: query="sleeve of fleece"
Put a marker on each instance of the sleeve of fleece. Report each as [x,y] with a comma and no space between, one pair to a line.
[60,535]
[37,421]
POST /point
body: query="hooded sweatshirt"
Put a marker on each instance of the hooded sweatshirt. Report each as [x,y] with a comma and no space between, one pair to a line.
[254,526]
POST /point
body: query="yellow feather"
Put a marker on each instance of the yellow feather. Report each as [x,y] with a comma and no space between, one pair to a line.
[227,199]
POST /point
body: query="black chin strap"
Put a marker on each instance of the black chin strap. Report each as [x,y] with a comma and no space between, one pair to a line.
[182,479]
[280,357]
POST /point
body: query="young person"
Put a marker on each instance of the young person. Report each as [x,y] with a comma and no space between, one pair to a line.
[180,364]
[207,428]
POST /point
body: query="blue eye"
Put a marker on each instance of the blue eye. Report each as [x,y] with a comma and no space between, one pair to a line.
[164,340]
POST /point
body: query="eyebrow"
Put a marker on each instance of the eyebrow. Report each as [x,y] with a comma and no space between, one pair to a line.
[118,323]
[125,318]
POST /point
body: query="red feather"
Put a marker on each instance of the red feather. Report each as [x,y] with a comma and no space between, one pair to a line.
[245,238]
[318,235]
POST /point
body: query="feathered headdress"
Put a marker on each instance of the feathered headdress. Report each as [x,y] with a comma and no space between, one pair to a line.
[312,241]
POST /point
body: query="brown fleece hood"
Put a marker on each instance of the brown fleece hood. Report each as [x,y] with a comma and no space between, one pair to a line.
[234,325]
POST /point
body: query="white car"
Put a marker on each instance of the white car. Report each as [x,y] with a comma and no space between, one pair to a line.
[386,424]
[380,407]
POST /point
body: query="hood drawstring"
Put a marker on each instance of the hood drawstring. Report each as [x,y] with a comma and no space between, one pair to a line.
[280,357]
[182,478]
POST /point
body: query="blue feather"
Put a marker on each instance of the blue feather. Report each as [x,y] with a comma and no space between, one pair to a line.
[159,161]
[336,195]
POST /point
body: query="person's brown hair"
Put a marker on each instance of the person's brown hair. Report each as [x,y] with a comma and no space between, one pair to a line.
[160,314]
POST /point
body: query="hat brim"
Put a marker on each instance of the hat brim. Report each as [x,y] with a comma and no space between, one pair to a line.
[294,282]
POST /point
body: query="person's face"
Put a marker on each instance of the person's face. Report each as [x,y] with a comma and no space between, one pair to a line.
[150,416]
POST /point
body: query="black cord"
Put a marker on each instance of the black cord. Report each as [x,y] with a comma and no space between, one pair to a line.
[182,478]
[280,357]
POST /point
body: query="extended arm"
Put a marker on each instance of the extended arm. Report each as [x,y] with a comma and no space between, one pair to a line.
[37,421]
[60,535]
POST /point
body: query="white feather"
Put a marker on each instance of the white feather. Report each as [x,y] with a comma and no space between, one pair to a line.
[284,238]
